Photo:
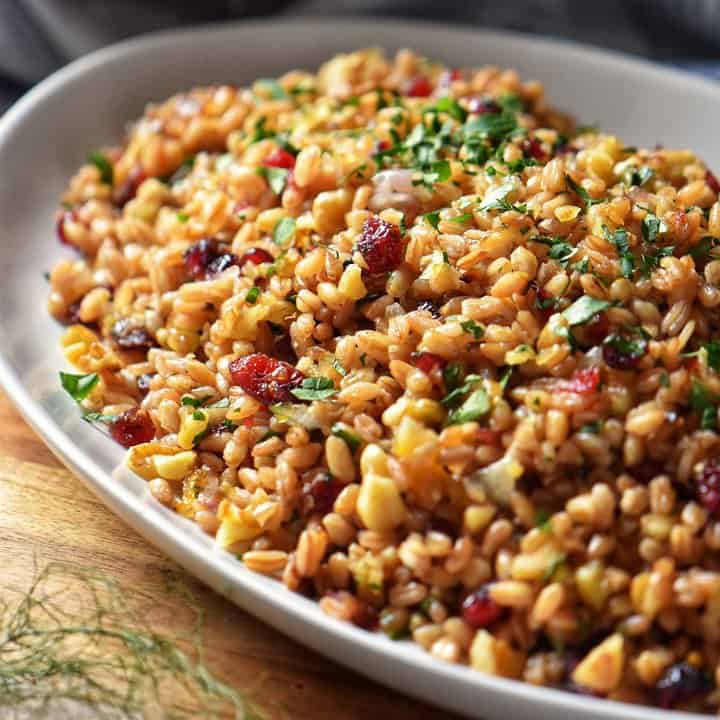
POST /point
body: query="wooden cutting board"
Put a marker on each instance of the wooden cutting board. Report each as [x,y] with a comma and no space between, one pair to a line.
[46,514]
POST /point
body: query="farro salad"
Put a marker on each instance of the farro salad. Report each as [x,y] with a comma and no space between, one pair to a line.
[405,338]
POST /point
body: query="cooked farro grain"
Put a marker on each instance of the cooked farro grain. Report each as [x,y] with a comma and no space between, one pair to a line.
[405,338]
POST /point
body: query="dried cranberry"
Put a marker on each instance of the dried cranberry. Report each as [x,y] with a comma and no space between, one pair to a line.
[708,487]
[597,329]
[533,148]
[280,158]
[479,610]
[566,149]
[488,437]
[484,106]
[199,256]
[380,245]
[712,182]
[256,256]
[365,616]
[323,491]
[583,382]
[128,189]
[266,379]
[132,427]
[680,683]
[381,145]
[222,262]
[623,352]
[128,336]
[429,306]
[427,362]
[647,470]
[419,86]
[72,314]
[67,216]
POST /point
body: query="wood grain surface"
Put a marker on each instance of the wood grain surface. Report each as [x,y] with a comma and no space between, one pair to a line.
[48,515]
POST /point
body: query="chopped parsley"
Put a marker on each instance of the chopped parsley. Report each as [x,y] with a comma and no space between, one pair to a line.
[638,176]
[703,402]
[193,401]
[496,199]
[581,192]
[276,178]
[592,428]
[621,241]
[252,295]
[183,217]
[542,520]
[584,309]
[712,351]
[433,218]
[103,164]
[470,326]
[451,107]
[351,438]
[652,226]
[260,132]
[476,406]
[701,251]
[338,367]
[315,388]
[272,88]
[78,386]
[451,375]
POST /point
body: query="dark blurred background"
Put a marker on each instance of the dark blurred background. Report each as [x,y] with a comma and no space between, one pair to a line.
[38,36]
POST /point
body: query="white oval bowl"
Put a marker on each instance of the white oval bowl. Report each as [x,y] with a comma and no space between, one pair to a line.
[47,135]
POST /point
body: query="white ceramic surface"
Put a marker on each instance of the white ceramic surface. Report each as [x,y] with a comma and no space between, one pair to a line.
[48,134]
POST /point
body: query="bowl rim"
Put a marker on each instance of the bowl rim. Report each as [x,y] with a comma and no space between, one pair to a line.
[157,526]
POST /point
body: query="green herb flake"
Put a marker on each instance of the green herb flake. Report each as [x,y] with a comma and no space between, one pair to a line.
[199,415]
[182,217]
[284,231]
[315,388]
[276,178]
[592,428]
[638,176]
[350,437]
[260,132]
[490,127]
[476,406]
[451,107]
[272,88]
[230,426]
[652,226]
[712,351]
[200,436]
[470,326]
[583,310]
[103,164]
[193,401]
[542,520]
[702,251]
[252,295]
[554,566]
[452,374]
[78,386]
[703,402]
[581,192]
[338,367]
[664,380]
[460,219]
[505,377]
[433,219]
